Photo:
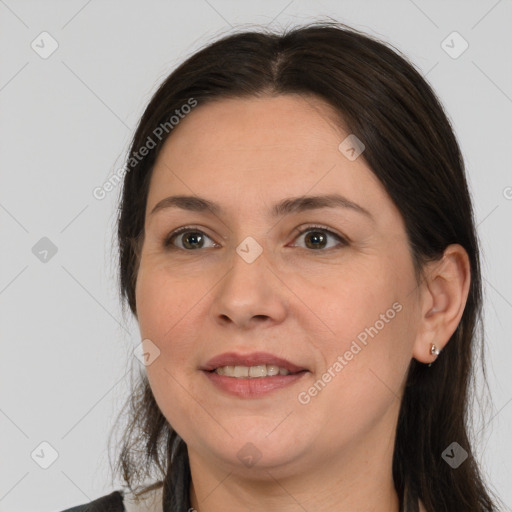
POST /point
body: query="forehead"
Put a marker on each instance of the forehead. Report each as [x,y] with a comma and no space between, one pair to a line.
[254,149]
[237,124]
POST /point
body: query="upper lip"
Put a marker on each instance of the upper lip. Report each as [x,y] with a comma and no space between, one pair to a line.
[251,359]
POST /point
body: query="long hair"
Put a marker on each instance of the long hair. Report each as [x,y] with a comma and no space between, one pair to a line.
[411,148]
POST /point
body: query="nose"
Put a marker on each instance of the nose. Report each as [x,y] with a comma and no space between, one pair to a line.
[250,294]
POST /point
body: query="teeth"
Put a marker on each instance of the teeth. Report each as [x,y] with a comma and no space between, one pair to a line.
[264,370]
[272,370]
[257,371]
[241,371]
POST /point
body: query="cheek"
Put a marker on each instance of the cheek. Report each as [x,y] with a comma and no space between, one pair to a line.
[166,312]
[171,306]
[359,382]
[348,300]
[164,300]
[365,315]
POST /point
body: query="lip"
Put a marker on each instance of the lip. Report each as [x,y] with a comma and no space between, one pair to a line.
[252,388]
[250,359]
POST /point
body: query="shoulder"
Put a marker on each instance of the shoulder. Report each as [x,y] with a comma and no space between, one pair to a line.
[123,500]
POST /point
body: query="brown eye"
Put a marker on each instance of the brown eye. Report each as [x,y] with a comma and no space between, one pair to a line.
[316,238]
[187,239]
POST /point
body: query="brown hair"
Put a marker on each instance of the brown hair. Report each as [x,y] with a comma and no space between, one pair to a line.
[411,148]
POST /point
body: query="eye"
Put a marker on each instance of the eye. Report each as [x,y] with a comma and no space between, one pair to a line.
[190,238]
[317,237]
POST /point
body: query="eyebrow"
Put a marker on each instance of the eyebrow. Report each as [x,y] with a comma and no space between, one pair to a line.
[284,207]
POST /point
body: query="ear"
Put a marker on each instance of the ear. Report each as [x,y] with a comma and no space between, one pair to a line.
[444,292]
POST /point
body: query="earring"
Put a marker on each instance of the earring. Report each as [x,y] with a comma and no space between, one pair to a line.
[434,351]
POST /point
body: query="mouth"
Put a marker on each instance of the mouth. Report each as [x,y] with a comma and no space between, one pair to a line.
[252,375]
[253,372]
[251,387]
[251,365]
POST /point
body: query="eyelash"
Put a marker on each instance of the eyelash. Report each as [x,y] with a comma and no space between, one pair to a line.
[168,243]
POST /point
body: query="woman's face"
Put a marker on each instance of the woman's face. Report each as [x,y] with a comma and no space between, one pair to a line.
[339,300]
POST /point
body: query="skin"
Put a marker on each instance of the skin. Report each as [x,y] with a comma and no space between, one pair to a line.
[303,304]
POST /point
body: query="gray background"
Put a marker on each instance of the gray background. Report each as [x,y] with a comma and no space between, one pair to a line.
[65,124]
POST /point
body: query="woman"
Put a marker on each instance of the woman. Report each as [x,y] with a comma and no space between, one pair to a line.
[298,246]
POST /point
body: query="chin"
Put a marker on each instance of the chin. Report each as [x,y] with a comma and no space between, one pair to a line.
[253,453]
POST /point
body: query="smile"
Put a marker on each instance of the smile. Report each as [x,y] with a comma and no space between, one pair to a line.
[252,372]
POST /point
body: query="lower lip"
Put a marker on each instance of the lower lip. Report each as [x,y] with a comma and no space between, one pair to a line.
[255,387]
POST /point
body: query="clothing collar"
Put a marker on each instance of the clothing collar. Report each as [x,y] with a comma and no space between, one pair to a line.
[152,502]
[149,502]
